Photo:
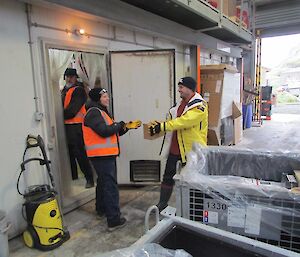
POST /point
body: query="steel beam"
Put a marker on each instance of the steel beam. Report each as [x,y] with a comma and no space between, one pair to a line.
[123,14]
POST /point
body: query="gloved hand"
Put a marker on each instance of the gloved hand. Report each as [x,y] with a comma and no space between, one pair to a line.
[120,125]
[154,128]
[133,124]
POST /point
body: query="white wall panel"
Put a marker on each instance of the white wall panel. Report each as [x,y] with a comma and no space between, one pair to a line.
[16,105]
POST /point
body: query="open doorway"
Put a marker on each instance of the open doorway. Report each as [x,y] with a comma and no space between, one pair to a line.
[281,72]
[280,96]
[91,68]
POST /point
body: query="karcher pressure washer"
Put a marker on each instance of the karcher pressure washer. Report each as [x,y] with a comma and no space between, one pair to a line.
[45,230]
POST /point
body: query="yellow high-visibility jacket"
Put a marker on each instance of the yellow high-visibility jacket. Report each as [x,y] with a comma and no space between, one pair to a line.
[191,126]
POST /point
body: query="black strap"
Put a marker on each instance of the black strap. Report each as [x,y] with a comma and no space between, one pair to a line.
[194,102]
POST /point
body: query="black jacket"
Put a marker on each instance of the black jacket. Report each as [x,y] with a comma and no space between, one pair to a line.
[94,120]
[78,99]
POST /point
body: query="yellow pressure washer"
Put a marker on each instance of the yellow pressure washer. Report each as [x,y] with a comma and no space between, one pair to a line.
[45,230]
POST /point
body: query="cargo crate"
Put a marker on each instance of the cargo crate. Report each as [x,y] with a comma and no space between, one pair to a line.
[256,208]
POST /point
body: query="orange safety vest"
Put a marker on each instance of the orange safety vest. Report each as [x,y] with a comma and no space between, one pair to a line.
[96,145]
[78,118]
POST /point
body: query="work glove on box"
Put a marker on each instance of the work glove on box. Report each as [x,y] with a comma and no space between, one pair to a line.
[153,127]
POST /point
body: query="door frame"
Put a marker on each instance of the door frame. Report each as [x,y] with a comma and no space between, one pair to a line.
[56,141]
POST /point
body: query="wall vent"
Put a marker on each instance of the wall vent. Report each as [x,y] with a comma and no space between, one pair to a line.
[144,171]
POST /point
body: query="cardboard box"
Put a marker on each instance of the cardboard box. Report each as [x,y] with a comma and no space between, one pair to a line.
[220,87]
[236,110]
[213,90]
[238,130]
[237,20]
[229,7]
[217,68]
[212,86]
[214,102]
[147,135]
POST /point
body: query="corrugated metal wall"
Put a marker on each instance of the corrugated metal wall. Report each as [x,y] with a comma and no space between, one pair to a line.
[282,18]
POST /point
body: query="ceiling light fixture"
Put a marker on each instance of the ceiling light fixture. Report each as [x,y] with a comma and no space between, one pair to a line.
[80,32]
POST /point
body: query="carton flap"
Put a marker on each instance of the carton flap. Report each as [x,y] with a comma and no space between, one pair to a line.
[213,138]
[236,110]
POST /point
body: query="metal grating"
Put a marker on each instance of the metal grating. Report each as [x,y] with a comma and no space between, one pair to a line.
[288,233]
[145,171]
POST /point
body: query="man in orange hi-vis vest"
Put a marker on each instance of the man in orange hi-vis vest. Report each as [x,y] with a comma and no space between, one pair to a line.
[74,98]
[101,137]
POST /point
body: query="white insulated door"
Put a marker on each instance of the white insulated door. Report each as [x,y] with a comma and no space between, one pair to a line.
[142,88]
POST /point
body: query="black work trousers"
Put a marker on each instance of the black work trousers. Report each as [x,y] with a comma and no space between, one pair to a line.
[170,170]
[107,192]
[77,151]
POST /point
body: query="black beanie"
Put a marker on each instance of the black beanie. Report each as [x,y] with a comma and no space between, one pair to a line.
[188,82]
[96,93]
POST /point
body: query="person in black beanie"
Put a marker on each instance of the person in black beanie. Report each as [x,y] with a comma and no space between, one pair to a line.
[101,137]
[73,99]
[187,123]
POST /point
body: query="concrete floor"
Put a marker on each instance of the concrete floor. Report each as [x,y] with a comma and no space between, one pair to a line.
[89,235]
[281,133]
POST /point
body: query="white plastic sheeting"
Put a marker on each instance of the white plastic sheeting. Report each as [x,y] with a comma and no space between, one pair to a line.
[91,67]
[241,191]
[147,250]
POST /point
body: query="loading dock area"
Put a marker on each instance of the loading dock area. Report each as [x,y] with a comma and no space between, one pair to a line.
[137,51]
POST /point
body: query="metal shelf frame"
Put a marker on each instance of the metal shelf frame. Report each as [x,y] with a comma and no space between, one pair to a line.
[200,16]
[221,22]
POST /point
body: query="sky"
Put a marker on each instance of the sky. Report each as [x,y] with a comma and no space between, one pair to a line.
[276,49]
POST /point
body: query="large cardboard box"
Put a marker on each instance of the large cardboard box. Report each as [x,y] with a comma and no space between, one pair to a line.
[220,88]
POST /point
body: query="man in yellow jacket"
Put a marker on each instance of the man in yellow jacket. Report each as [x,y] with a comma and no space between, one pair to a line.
[187,123]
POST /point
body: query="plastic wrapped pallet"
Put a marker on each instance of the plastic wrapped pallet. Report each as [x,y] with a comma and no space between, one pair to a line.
[240,191]
[147,250]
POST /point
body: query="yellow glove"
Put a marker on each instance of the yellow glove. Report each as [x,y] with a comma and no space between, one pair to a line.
[133,124]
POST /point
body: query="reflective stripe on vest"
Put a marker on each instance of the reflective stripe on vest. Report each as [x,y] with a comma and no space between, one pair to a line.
[96,145]
[78,118]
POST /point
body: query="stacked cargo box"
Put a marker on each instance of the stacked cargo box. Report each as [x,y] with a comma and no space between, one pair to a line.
[221,89]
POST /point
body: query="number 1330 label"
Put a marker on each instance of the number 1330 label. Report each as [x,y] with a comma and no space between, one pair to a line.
[215,205]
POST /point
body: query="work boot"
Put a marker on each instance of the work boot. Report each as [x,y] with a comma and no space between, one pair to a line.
[165,194]
[116,224]
[100,215]
[89,184]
